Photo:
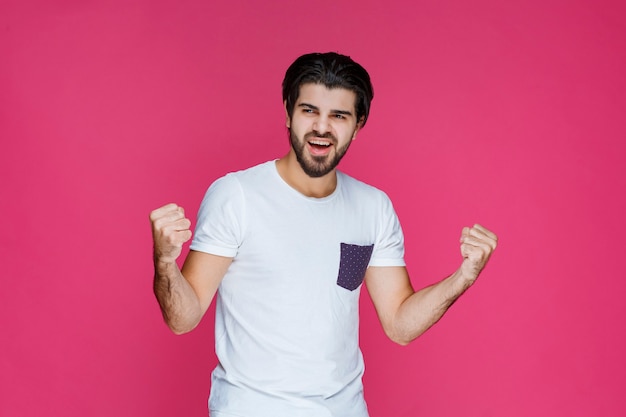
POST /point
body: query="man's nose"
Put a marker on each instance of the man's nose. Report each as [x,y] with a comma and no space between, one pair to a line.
[321,125]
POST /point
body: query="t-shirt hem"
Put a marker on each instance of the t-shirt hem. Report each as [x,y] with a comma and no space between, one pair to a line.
[387,262]
[214,250]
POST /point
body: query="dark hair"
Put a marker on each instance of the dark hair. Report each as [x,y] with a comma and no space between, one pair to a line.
[333,71]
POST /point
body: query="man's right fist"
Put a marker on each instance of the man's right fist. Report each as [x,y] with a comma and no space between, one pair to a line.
[170,229]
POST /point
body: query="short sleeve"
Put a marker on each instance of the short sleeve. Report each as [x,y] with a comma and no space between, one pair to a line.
[220,223]
[389,246]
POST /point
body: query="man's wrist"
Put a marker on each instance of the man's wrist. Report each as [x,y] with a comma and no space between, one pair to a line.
[465,277]
[162,264]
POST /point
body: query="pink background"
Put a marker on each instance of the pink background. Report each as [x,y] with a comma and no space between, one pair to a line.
[510,114]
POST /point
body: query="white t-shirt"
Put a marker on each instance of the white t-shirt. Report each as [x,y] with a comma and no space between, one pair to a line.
[286,330]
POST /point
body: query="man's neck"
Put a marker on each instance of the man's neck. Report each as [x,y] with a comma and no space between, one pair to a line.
[291,172]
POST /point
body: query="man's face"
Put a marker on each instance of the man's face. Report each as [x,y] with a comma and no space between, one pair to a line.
[322,127]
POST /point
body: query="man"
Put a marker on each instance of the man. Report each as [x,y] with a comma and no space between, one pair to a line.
[288,244]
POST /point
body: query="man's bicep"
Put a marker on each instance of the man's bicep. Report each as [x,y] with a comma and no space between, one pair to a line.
[204,272]
[388,287]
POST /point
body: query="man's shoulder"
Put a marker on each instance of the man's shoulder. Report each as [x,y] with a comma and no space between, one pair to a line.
[235,182]
[264,168]
[354,185]
[252,174]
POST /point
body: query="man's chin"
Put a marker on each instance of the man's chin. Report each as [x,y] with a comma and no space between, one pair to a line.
[316,170]
[316,173]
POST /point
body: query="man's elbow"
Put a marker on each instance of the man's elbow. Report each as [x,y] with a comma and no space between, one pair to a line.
[402,341]
[179,330]
[180,327]
[400,338]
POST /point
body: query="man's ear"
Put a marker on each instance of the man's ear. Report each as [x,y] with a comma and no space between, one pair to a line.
[287,118]
[359,125]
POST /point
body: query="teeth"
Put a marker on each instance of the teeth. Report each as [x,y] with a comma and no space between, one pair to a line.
[320,143]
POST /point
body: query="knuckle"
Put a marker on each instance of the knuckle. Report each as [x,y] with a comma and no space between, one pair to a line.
[170,237]
[160,224]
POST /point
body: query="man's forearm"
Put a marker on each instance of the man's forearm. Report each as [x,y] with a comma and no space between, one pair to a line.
[179,303]
[425,307]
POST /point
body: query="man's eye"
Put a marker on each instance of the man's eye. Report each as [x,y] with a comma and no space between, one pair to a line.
[339,116]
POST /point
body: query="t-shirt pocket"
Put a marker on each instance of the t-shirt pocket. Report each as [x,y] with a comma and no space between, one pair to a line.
[353,264]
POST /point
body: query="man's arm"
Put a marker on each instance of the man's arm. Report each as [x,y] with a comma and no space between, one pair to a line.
[184,296]
[406,314]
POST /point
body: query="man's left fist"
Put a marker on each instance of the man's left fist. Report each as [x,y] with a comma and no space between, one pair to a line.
[477,244]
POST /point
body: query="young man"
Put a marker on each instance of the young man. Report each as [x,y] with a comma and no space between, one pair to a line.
[288,244]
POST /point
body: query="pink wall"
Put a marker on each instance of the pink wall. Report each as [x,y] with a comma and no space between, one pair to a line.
[506,113]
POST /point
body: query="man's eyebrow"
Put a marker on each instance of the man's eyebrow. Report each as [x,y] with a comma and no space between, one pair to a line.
[307,105]
[344,112]
[312,107]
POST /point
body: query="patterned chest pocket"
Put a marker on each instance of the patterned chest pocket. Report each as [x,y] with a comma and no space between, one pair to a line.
[353,264]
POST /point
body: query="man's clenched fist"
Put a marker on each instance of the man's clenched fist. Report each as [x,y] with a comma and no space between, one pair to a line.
[170,229]
[477,244]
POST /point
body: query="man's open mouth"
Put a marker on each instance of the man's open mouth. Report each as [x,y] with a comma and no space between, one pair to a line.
[319,144]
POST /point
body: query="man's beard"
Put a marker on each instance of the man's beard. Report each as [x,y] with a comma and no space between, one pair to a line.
[316,166]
